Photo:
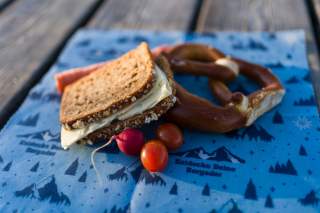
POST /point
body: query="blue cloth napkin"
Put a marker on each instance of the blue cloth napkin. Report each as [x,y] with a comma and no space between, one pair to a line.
[271,165]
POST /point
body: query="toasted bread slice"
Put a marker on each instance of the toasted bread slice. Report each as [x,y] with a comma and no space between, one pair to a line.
[109,89]
[147,116]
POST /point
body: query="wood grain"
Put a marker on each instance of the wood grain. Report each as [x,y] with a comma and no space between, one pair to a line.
[31,31]
[266,15]
[145,14]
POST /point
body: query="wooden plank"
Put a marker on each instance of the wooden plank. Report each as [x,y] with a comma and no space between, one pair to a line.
[249,15]
[266,15]
[146,14]
[32,31]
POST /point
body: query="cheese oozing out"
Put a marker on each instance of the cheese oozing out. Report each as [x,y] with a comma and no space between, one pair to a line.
[161,89]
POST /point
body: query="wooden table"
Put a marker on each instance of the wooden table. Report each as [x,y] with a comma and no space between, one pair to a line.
[33,32]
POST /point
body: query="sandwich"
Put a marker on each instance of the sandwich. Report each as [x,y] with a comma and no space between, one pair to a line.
[126,92]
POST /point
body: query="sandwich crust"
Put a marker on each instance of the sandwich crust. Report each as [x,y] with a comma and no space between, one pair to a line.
[109,89]
[147,116]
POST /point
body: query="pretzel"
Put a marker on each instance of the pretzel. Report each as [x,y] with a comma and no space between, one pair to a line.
[237,110]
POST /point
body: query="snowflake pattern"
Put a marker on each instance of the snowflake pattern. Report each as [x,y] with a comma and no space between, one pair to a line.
[303,123]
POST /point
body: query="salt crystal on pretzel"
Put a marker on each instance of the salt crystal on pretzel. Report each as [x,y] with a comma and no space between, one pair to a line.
[228,62]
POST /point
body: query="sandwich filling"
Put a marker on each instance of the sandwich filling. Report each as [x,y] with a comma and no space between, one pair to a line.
[161,90]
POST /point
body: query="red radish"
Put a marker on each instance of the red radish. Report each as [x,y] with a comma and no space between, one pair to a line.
[130,141]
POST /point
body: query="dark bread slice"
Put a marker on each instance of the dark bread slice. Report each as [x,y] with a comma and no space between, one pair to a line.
[109,89]
[140,119]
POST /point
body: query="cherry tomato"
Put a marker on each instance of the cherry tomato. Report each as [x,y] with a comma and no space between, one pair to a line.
[171,136]
[154,156]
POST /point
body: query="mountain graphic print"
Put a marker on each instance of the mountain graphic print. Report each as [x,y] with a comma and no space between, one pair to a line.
[272,165]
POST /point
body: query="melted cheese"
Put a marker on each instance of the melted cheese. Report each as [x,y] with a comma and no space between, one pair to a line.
[160,91]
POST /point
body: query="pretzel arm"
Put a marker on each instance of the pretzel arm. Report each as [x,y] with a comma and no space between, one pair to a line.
[211,70]
[197,113]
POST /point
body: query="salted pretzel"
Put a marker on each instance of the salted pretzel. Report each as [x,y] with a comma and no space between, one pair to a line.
[237,110]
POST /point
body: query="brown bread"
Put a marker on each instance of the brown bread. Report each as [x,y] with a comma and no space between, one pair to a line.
[109,89]
[140,119]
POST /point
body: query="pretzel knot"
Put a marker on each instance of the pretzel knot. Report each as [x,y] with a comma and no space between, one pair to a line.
[237,110]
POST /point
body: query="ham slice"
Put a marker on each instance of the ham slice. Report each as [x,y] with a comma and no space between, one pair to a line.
[161,49]
[67,77]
